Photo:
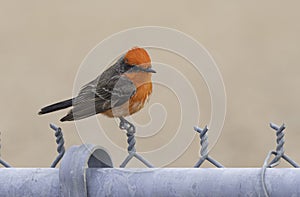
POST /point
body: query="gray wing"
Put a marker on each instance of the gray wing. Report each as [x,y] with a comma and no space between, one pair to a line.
[101,95]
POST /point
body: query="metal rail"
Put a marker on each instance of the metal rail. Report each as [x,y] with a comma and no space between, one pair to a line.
[85,171]
[46,182]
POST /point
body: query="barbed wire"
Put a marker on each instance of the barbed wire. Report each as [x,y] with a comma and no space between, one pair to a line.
[279,153]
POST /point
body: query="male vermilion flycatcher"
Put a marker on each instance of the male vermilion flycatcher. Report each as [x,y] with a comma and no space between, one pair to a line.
[119,91]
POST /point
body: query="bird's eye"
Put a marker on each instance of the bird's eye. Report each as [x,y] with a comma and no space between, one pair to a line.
[130,67]
[127,67]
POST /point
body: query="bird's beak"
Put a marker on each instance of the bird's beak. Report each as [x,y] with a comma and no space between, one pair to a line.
[149,70]
[141,69]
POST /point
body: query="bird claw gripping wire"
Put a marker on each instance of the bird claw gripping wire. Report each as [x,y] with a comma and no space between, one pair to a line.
[60,144]
[130,131]
[130,128]
[279,153]
[204,149]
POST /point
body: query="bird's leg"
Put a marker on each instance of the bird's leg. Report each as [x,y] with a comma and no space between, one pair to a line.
[130,128]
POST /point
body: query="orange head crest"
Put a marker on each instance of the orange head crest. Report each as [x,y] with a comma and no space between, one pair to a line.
[138,56]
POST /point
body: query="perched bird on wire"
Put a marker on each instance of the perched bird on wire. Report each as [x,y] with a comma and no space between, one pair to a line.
[119,91]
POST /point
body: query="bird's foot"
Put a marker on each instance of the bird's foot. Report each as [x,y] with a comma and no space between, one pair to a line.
[130,128]
[125,125]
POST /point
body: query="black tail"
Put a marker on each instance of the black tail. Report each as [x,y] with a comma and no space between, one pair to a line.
[56,106]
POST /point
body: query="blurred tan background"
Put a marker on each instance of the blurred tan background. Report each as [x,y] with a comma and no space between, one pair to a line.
[255,43]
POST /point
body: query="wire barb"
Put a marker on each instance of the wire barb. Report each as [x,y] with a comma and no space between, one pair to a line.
[204,148]
[60,144]
[279,153]
[280,142]
[130,132]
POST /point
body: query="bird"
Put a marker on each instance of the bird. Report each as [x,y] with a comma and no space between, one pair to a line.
[120,91]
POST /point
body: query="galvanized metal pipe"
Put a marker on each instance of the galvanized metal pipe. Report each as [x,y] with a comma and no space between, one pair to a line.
[192,182]
[45,182]
[86,171]
[21,182]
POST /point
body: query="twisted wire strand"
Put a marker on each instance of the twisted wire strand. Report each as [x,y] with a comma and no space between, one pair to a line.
[131,142]
[130,133]
[280,143]
[204,148]
[2,162]
[204,141]
[279,153]
[60,144]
